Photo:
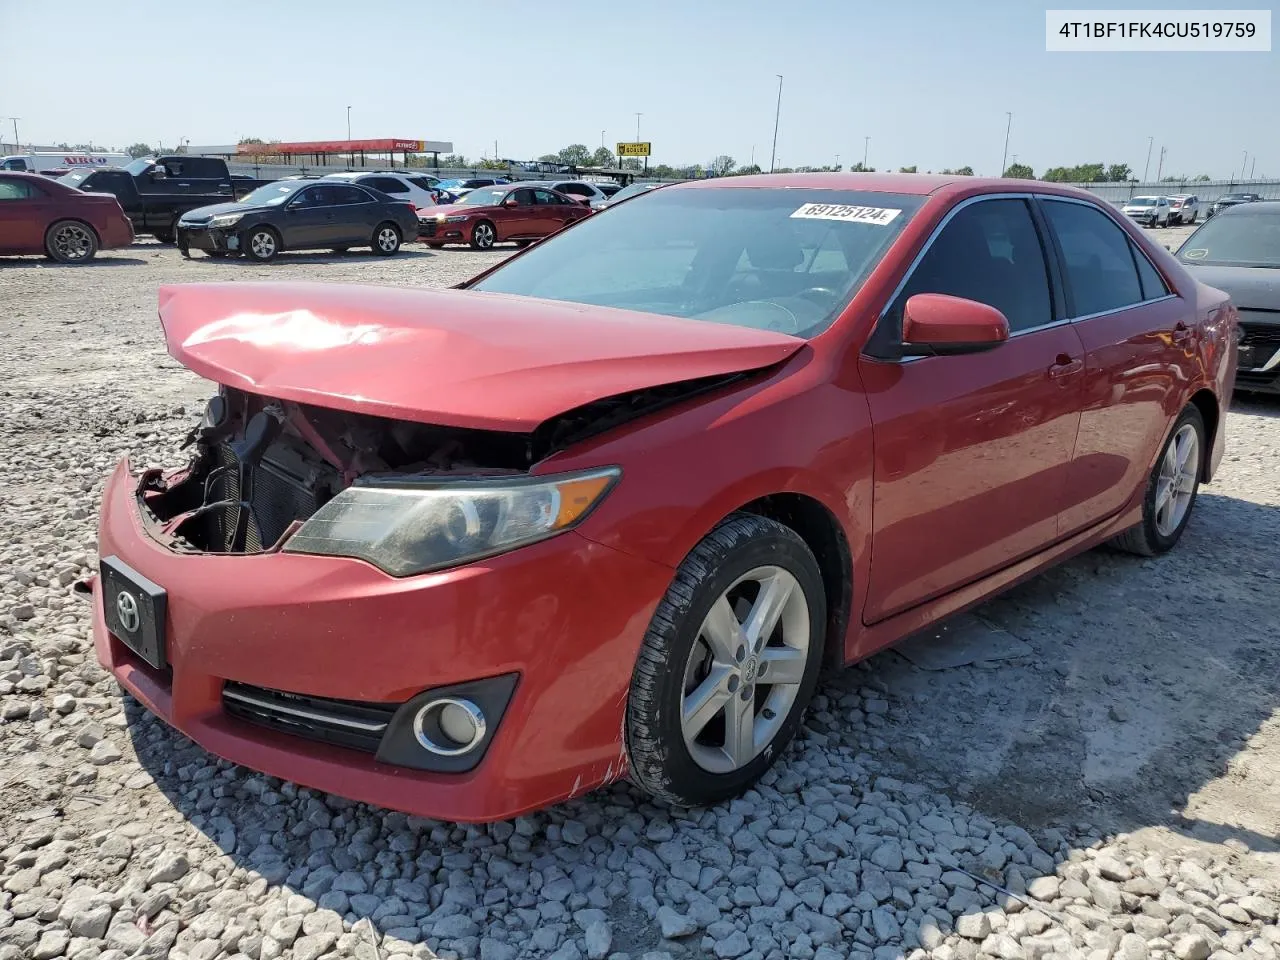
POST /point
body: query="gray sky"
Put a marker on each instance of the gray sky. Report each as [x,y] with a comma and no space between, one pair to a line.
[929,82]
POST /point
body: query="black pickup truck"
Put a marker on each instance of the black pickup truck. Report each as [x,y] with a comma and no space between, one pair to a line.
[156,191]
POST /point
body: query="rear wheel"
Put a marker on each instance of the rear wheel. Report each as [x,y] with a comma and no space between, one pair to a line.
[1171,489]
[386,239]
[261,244]
[728,664]
[483,236]
[70,241]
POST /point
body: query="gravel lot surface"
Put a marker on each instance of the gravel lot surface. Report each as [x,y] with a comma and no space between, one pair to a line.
[1115,793]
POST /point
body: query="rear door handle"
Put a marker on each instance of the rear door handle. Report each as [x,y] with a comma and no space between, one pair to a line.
[1065,366]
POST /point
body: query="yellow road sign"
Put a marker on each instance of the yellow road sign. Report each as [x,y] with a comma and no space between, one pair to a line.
[634,149]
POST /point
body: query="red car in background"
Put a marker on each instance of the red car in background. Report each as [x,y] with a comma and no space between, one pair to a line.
[607,510]
[489,215]
[40,215]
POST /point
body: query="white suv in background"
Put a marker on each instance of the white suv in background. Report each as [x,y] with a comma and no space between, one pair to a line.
[1183,208]
[1148,211]
[398,186]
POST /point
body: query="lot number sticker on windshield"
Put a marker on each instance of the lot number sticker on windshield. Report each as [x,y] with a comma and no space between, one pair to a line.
[845,212]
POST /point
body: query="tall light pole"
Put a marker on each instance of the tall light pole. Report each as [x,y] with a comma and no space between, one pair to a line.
[777,115]
[1244,161]
[1160,165]
[1147,166]
[638,116]
[350,158]
[1005,156]
[1253,167]
[866,148]
[15,120]
[837,161]
[601,139]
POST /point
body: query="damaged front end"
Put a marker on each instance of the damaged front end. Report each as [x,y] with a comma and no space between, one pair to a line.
[263,467]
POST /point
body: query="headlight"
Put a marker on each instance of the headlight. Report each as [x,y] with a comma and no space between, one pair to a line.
[405,528]
[455,219]
[225,220]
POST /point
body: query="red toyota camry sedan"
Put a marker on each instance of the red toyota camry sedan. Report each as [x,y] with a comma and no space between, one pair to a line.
[489,215]
[607,510]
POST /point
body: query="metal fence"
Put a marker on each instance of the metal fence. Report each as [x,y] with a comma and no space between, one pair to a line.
[1206,190]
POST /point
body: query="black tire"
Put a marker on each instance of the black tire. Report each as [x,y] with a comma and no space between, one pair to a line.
[386,238]
[483,236]
[661,763]
[521,244]
[70,241]
[265,251]
[1146,539]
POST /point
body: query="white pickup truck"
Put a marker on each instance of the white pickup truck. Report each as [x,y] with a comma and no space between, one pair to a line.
[55,164]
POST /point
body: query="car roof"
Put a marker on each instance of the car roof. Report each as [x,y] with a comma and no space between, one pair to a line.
[1269,208]
[917,184]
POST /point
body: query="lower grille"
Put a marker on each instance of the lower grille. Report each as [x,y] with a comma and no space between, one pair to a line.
[1258,344]
[344,723]
[426,228]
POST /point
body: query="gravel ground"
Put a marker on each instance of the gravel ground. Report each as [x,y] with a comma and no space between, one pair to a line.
[1116,793]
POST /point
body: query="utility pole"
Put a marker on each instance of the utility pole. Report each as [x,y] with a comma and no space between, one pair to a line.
[602,139]
[866,148]
[495,150]
[1147,167]
[837,161]
[1253,166]
[777,115]
[16,145]
[1160,166]
[638,116]
[1007,127]
[1243,163]
[350,158]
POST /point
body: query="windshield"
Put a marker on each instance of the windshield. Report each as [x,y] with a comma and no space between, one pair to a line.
[484,196]
[141,165]
[76,178]
[1142,202]
[274,194]
[1236,239]
[634,190]
[785,260]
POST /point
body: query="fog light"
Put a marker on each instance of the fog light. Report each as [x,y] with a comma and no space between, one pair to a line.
[449,726]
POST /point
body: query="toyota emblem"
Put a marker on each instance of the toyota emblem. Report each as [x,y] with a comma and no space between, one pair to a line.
[127,611]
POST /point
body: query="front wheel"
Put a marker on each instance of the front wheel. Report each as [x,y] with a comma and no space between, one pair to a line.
[728,664]
[70,241]
[386,239]
[1171,489]
[261,244]
[483,236]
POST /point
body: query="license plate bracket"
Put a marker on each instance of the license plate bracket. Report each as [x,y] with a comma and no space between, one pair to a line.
[134,609]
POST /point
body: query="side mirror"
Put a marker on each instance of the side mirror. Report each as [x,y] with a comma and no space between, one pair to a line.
[510,202]
[934,324]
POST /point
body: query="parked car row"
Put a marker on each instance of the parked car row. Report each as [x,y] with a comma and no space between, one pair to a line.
[1155,211]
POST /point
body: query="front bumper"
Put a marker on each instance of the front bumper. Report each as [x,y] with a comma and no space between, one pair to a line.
[431,230]
[567,615]
[209,240]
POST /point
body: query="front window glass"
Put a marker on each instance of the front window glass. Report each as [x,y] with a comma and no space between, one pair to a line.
[786,260]
[141,165]
[273,194]
[989,252]
[1242,238]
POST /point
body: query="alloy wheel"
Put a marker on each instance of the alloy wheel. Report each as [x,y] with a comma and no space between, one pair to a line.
[388,240]
[1176,483]
[263,244]
[745,669]
[72,242]
[484,235]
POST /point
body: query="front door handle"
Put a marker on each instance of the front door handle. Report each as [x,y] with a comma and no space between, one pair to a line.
[1065,366]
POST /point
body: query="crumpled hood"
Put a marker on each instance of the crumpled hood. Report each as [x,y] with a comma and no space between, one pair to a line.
[450,357]
[201,214]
